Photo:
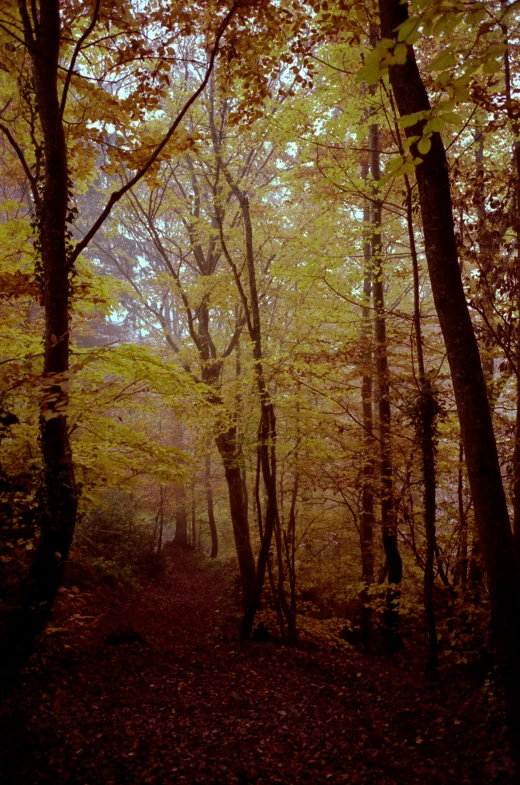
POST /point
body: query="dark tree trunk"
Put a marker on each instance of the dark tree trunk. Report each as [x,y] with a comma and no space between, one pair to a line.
[181,516]
[193,517]
[60,504]
[369,442]
[516,227]
[210,506]
[230,450]
[486,351]
[486,268]
[428,455]
[388,515]
[180,495]
[475,571]
[426,434]
[462,558]
[290,551]
[267,428]
[468,380]
[516,455]
[161,521]
[232,460]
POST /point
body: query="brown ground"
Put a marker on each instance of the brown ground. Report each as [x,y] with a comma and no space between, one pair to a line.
[192,705]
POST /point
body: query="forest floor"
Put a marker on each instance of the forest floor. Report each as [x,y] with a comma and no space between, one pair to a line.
[191,704]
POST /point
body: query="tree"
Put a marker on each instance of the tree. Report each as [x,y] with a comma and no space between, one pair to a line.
[463,355]
[37,36]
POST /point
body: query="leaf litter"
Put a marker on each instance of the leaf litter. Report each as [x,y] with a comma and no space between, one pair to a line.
[182,700]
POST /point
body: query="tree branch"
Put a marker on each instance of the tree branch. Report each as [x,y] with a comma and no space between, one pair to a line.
[21,157]
[75,54]
[116,195]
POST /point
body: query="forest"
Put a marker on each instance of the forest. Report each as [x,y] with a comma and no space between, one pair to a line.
[260,391]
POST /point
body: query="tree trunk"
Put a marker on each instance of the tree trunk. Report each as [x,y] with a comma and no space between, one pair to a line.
[60,504]
[516,454]
[426,433]
[486,267]
[466,369]
[181,516]
[161,521]
[462,558]
[232,461]
[267,428]
[290,552]
[388,516]
[193,518]
[516,228]
[209,502]
[180,496]
[369,443]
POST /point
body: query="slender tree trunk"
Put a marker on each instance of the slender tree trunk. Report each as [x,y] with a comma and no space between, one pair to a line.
[210,506]
[468,380]
[516,453]
[161,520]
[193,518]
[267,428]
[180,496]
[388,515]
[369,442]
[475,570]
[516,228]
[462,559]
[485,264]
[486,353]
[427,442]
[290,552]
[239,411]
[181,516]
[155,530]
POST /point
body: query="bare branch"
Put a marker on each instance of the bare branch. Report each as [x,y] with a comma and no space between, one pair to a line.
[14,144]
[75,54]
[235,337]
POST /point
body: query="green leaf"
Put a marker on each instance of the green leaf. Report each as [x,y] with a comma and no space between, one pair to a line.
[492,67]
[400,54]
[408,168]
[445,60]
[452,117]
[406,29]
[453,22]
[411,119]
[371,70]
[424,144]
[394,165]
[435,125]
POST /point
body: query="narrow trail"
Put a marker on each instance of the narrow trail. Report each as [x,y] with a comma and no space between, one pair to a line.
[189,704]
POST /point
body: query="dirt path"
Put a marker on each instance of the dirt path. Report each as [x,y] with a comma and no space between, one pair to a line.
[191,705]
